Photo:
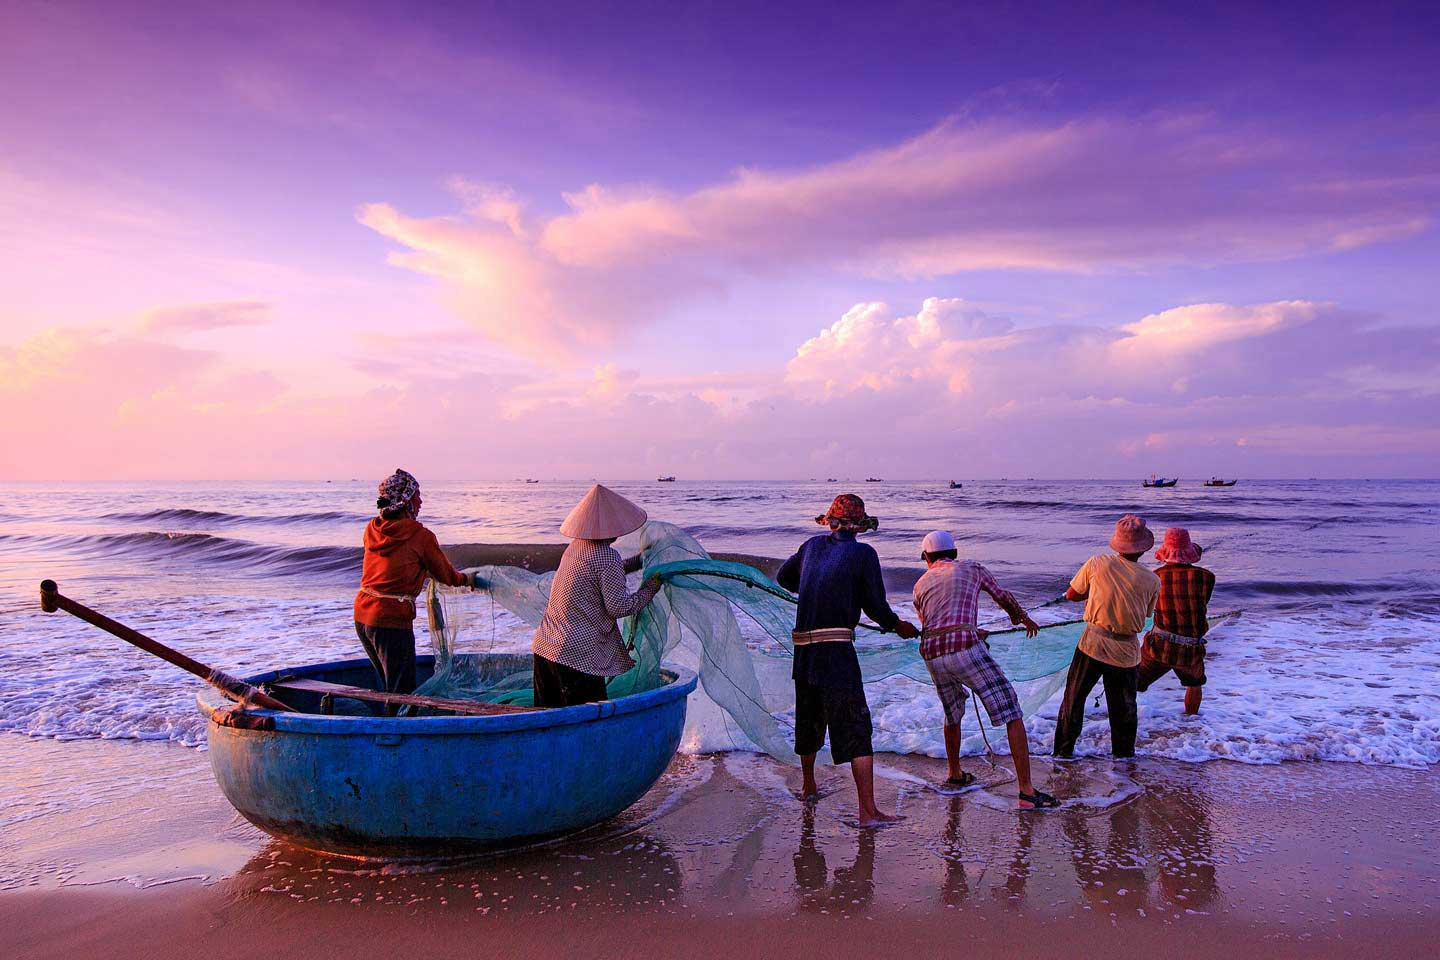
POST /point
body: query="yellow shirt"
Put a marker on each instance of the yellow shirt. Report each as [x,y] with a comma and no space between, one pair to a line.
[1121,597]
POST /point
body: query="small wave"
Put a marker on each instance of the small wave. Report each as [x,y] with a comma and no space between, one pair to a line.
[185,516]
[242,556]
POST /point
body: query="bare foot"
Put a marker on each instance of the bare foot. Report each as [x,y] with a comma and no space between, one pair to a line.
[809,792]
[878,819]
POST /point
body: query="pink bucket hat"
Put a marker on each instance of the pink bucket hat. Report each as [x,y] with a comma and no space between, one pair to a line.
[1131,535]
[1178,547]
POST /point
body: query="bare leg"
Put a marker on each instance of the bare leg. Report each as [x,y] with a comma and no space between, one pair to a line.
[1020,753]
[1192,700]
[863,769]
[808,790]
[952,749]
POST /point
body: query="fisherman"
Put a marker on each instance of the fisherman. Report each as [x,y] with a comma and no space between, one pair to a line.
[577,645]
[947,601]
[399,553]
[1119,596]
[836,578]
[1176,641]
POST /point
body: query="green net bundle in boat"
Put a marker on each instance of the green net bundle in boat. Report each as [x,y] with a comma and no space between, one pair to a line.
[727,621]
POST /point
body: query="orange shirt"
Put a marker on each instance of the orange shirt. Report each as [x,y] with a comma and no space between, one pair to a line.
[399,554]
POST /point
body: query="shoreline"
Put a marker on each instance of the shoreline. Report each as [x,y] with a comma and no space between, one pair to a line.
[1206,859]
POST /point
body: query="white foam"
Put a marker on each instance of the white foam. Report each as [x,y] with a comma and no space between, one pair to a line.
[1298,687]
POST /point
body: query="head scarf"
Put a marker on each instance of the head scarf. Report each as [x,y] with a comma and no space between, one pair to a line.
[397,490]
[847,515]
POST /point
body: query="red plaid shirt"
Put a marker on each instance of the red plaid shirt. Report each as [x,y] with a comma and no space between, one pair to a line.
[948,595]
[1184,599]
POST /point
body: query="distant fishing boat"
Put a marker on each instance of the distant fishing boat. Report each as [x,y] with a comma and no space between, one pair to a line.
[873,480]
[1155,481]
[1217,482]
[955,486]
[831,480]
[531,481]
[664,479]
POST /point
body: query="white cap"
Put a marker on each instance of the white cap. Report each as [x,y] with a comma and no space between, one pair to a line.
[937,541]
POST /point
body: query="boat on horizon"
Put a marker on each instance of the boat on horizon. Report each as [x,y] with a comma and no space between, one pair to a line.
[664,479]
[1155,481]
[1217,482]
[873,480]
[956,486]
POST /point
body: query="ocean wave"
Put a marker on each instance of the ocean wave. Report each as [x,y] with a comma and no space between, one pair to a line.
[183,516]
[243,557]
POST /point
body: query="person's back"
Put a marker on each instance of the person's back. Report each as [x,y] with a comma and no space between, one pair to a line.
[578,629]
[836,579]
[1177,640]
[1183,604]
[947,597]
[1119,596]
[1121,592]
[399,554]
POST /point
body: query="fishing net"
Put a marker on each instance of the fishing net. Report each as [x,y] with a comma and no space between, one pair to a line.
[727,621]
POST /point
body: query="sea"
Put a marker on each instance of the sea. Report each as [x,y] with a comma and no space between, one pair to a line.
[1335,655]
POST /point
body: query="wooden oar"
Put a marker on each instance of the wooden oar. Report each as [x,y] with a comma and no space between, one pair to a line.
[236,689]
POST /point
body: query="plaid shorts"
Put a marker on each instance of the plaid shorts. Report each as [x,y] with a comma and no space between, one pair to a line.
[973,667]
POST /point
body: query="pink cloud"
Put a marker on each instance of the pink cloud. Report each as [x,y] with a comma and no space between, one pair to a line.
[207,316]
[1090,195]
[1266,389]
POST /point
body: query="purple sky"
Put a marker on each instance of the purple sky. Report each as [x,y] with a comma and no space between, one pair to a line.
[723,240]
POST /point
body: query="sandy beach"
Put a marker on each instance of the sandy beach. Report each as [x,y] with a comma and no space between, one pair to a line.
[135,854]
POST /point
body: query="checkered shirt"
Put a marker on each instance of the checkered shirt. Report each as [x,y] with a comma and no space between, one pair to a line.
[587,596]
[948,595]
[1184,599]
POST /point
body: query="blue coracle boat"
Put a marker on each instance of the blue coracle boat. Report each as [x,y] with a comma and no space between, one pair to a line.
[362,785]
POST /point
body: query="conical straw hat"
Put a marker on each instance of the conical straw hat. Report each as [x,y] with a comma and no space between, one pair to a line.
[602,514]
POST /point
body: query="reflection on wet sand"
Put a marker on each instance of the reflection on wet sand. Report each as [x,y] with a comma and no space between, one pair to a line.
[639,872]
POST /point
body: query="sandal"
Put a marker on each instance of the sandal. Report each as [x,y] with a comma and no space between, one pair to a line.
[1039,800]
[965,779]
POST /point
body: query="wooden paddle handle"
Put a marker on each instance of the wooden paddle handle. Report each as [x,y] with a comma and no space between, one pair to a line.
[51,600]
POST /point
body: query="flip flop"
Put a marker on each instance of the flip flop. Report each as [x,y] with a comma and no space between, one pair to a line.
[965,779]
[1039,800]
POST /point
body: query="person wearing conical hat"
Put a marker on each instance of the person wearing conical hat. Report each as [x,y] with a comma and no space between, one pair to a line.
[1176,641]
[578,644]
[1119,596]
[836,579]
[400,552]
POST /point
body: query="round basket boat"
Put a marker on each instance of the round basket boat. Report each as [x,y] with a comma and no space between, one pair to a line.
[368,786]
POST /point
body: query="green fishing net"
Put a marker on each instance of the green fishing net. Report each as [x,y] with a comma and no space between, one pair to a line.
[727,621]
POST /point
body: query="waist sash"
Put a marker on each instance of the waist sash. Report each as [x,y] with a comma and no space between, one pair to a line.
[931,634]
[1178,638]
[803,638]
[387,596]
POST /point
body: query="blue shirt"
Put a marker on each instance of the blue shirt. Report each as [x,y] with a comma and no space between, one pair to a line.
[836,578]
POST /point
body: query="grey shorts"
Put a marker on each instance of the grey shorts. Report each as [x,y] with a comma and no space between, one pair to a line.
[974,668]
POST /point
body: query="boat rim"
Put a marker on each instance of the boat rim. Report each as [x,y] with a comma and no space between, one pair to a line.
[678,684]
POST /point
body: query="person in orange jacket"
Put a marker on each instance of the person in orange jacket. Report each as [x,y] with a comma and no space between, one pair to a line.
[400,552]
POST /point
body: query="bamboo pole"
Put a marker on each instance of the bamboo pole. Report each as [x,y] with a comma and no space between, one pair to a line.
[236,689]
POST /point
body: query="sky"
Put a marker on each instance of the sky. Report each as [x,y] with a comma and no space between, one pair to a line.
[722,241]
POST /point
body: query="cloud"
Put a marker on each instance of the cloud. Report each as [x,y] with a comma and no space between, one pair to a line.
[196,317]
[1099,194]
[1270,389]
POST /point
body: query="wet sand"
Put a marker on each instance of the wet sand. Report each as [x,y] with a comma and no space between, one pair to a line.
[128,850]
